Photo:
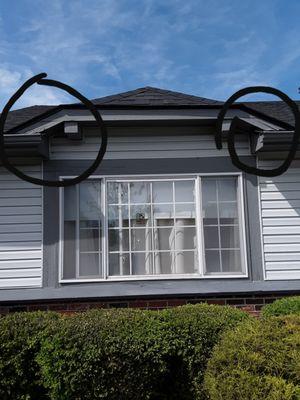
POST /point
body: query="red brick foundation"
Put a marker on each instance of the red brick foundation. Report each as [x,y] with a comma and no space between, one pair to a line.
[250,304]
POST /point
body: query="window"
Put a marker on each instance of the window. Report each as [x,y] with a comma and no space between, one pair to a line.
[222,236]
[115,228]
[82,231]
[152,227]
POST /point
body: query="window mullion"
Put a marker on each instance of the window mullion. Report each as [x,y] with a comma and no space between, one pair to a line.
[103,230]
[120,230]
[219,229]
[129,229]
[174,254]
[152,230]
[77,230]
[241,223]
[199,226]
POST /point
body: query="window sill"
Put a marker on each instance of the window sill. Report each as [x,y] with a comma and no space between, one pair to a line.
[142,278]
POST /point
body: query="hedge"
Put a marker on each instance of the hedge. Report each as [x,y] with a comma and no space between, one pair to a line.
[284,306]
[258,360]
[21,335]
[134,354]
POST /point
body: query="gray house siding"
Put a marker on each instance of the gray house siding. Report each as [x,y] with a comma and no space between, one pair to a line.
[30,220]
[187,143]
[54,169]
[20,230]
[280,212]
[52,290]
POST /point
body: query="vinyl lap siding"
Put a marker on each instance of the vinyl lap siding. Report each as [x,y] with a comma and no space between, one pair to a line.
[20,230]
[280,212]
[133,147]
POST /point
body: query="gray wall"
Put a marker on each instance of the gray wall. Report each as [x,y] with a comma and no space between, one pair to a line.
[20,230]
[54,169]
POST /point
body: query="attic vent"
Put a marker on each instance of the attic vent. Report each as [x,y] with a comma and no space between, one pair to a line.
[72,131]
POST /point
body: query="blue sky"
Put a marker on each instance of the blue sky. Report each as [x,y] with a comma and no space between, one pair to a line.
[207,48]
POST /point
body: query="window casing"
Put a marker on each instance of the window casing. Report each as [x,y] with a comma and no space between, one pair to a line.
[153,227]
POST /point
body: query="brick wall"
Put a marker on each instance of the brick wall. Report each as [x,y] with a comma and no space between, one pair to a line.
[250,304]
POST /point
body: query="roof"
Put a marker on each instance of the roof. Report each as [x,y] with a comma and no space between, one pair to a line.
[149,97]
[274,109]
[19,117]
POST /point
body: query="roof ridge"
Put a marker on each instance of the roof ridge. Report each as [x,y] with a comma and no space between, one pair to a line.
[122,95]
[147,91]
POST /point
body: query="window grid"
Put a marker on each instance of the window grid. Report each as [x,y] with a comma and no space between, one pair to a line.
[199,225]
[174,251]
[219,225]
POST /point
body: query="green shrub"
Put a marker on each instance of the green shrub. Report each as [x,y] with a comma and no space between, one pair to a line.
[20,340]
[285,306]
[258,360]
[134,354]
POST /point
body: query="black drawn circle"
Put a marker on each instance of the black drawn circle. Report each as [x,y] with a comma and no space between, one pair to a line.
[231,134]
[39,79]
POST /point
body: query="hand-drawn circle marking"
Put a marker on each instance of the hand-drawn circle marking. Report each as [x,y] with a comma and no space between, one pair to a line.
[39,79]
[231,134]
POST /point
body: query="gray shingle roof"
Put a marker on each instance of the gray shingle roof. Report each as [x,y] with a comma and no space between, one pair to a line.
[150,97]
[18,117]
[274,109]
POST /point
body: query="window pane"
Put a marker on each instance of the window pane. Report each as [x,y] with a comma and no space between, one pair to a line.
[185,211]
[210,214]
[69,240]
[185,238]
[70,203]
[89,240]
[118,240]
[117,216]
[211,237]
[228,213]
[89,193]
[164,262]
[89,264]
[140,215]
[140,192]
[231,261]
[89,224]
[185,262]
[230,236]
[117,192]
[162,192]
[163,212]
[212,260]
[164,238]
[209,190]
[227,189]
[69,260]
[184,191]
[119,264]
[141,263]
[141,240]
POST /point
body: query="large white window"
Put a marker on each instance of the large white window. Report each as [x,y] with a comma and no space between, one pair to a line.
[118,228]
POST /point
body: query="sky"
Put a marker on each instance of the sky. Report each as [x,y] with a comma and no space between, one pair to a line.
[206,48]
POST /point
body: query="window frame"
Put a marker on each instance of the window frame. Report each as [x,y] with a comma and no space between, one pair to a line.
[200,274]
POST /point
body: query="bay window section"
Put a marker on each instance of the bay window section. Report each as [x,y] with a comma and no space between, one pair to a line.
[159,227]
[82,244]
[221,213]
[152,227]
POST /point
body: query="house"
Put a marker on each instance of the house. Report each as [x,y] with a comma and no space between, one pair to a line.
[166,219]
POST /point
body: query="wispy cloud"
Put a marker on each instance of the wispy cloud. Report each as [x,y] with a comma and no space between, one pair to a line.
[103,47]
